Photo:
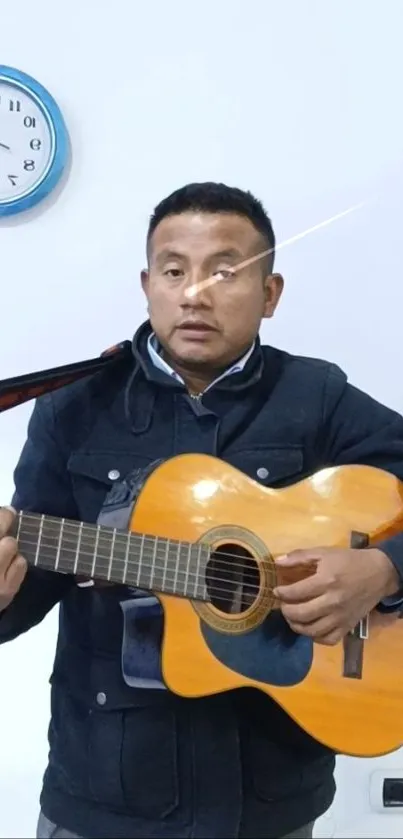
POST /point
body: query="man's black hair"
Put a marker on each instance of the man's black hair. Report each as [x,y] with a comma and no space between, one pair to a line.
[216,198]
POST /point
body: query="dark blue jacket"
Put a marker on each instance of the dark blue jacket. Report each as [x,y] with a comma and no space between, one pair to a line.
[131,762]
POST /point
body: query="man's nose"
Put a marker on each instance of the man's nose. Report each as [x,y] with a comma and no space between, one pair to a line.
[197,291]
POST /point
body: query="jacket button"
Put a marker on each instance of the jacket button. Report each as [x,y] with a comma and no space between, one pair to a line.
[101,698]
[114,474]
[262,472]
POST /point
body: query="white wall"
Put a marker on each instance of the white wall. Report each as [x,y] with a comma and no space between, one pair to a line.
[300,101]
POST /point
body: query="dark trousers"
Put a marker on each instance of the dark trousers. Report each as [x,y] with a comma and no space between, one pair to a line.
[47,830]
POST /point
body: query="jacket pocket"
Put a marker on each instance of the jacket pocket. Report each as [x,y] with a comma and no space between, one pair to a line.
[280,759]
[117,748]
[93,474]
[269,466]
[278,771]
[134,749]
[149,765]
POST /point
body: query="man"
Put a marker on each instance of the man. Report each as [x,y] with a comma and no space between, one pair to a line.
[127,758]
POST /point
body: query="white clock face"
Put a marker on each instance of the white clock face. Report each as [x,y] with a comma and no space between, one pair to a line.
[26,142]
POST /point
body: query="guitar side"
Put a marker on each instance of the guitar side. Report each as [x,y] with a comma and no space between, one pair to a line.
[191,495]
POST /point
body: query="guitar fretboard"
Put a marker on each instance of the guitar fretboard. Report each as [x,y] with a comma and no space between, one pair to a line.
[139,560]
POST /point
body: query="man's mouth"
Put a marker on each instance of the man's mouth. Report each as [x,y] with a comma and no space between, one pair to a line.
[196,326]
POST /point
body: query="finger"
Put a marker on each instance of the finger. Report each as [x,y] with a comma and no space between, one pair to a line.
[298,557]
[304,613]
[328,640]
[8,552]
[7,518]
[16,574]
[301,591]
[326,628]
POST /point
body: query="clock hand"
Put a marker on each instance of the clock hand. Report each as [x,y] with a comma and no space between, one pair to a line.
[3,146]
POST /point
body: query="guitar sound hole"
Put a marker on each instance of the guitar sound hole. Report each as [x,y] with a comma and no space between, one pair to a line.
[232,579]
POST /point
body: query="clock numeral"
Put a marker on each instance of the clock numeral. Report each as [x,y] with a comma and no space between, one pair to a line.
[35,145]
[13,179]
[29,165]
[14,105]
[29,122]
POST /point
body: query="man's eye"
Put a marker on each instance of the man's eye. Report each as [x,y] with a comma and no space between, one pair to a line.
[224,274]
[173,272]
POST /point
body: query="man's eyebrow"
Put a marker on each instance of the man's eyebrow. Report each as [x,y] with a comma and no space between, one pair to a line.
[228,253]
[168,253]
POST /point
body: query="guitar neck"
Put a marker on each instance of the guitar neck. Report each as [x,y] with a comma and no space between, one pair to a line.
[103,553]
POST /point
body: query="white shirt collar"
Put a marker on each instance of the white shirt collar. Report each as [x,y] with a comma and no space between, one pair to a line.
[158,361]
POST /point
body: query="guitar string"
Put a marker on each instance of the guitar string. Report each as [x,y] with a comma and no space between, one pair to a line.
[192,578]
[162,542]
[172,564]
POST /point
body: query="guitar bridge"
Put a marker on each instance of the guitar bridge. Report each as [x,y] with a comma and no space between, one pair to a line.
[353,643]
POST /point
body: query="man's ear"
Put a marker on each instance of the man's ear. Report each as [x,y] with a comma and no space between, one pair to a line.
[144,281]
[274,284]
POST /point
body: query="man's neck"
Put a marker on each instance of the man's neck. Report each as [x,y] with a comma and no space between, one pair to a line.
[196,378]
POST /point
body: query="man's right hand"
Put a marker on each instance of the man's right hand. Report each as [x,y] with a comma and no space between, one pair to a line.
[13,566]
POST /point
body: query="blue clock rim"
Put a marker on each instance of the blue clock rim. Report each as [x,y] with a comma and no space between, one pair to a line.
[54,117]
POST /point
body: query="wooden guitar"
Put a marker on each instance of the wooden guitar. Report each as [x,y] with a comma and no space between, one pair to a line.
[203,537]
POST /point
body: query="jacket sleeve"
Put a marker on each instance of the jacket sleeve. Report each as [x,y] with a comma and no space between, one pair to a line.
[358,429]
[42,485]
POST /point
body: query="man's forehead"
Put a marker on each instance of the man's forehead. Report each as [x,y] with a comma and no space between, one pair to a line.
[221,232]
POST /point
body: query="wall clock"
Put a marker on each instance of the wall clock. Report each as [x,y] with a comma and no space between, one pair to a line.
[34,143]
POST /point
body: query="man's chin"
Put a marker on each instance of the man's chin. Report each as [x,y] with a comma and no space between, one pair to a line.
[197,352]
[192,361]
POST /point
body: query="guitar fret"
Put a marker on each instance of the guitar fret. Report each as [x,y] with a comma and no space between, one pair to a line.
[145,565]
[183,570]
[197,574]
[127,554]
[67,556]
[176,572]
[186,577]
[19,526]
[59,544]
[94,557]
[80,533]
[111,554]
[140,559]
[121,553]
[154,560]
[165,566]
[38,547]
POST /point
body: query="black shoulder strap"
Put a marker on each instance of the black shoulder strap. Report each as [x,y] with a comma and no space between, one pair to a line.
[21,389]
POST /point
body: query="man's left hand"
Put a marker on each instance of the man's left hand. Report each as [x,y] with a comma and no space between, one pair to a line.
[346,587]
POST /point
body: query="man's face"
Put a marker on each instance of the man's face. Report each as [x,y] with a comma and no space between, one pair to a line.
[199,324]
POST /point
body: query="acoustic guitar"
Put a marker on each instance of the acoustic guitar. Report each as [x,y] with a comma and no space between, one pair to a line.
[203,537]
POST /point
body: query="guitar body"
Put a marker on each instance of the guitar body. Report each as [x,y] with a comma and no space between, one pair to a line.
[206,650]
